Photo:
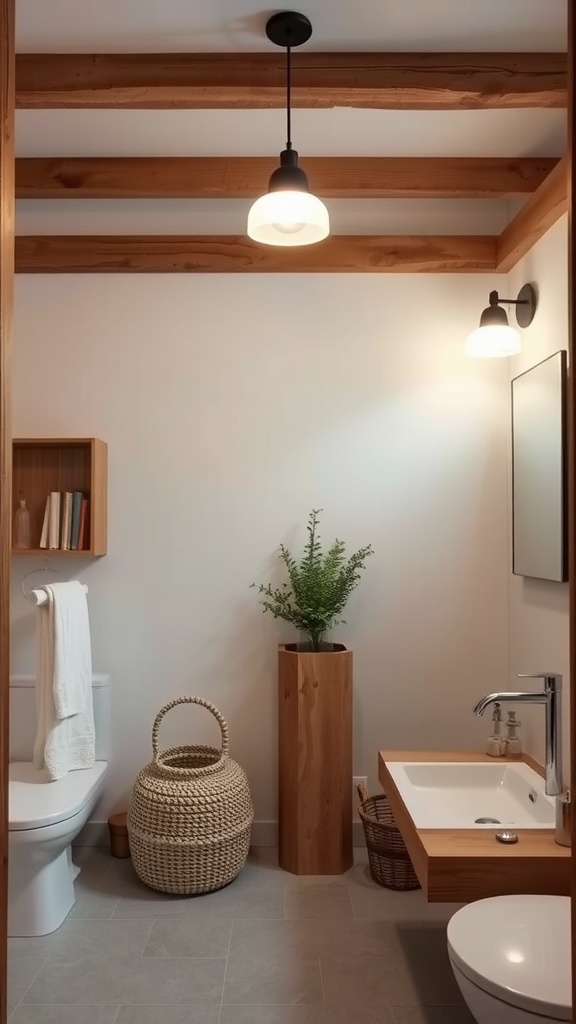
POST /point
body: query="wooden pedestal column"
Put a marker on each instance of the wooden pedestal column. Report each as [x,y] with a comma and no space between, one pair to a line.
[315,761]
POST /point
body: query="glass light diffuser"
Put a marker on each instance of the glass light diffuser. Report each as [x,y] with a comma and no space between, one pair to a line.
[493,341]
[288,217]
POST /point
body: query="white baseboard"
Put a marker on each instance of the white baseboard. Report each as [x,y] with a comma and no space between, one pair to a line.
[264,833]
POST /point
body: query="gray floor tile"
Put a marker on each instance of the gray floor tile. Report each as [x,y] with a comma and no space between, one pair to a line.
[24,948]
[378,904]
[195,936]
[93,905]
[432,1015]
[426,954]
[236,902]
[376,982]
[90,938]
[315,938]
[321,902]
[29,1014]
[21,974]
[125,980]
[303,1013]
[273,980]
[148,903]
[167,1015]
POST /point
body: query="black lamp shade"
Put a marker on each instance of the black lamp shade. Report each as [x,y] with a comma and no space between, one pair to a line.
[289,175]
[494,316]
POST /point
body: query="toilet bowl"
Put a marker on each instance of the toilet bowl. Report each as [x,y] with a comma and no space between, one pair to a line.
[45,816]
[511,959]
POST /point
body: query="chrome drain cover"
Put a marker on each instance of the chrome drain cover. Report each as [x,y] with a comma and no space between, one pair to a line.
[487,821]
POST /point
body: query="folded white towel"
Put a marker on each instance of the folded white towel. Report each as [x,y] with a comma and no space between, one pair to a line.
[65,738]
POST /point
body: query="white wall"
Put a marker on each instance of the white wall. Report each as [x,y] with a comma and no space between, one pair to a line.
[538,609]
[232,405]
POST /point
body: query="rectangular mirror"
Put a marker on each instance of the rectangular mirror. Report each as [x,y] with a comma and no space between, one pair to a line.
[538,470]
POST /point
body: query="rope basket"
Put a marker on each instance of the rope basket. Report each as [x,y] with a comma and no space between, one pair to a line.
[390,863]
[190,817]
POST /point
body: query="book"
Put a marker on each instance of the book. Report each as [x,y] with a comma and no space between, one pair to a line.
[44,535]
[75,528]
[84,534]
[54,521]
[66,523]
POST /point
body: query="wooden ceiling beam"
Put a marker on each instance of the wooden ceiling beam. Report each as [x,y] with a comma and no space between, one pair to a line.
[544,207]
[222,254]
[392,81]
[247,177]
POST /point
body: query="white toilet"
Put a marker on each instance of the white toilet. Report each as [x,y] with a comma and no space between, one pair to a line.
[45,817]
[511,959]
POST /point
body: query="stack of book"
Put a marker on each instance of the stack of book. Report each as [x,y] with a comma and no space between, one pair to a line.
[66,522]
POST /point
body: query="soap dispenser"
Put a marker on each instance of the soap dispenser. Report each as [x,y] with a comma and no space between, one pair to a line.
[513,741]
[495,742]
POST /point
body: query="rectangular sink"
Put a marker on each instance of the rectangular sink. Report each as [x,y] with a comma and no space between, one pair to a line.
[457,795]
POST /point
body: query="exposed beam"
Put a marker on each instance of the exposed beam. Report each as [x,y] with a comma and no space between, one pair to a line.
[407,81]
[538,214]
[7,80]
[247,177]
[368,254]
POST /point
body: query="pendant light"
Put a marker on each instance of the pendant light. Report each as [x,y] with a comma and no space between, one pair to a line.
[289,214]
[494,337]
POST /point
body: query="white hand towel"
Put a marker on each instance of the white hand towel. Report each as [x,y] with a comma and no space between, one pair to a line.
[65,739]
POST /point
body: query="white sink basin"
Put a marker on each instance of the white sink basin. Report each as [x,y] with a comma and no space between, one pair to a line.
[455,794]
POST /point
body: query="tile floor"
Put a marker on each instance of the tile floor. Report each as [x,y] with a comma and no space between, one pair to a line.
[271,948]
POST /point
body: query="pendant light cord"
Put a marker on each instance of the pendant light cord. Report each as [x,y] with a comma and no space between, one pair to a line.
[288,102]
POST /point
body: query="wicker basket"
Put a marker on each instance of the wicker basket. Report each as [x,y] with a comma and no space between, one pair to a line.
[390,863]
[190,816]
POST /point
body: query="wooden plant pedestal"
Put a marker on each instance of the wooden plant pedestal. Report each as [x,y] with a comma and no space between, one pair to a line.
[315,761]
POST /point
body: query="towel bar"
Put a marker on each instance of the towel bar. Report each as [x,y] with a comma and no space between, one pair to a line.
[40,596]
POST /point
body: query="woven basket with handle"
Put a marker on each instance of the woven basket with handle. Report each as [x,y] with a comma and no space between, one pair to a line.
[190,817]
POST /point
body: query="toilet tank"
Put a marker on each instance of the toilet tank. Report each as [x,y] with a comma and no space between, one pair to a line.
[23,716]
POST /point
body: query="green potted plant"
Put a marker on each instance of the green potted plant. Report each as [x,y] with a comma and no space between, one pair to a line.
[318,587]
[315,708]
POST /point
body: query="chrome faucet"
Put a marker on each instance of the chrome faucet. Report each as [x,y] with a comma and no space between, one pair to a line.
[551,696]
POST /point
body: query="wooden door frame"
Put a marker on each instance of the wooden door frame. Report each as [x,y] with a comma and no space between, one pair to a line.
[7,191]
[572,446]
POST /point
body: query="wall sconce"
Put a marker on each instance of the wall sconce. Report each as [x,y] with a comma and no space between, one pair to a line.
[494,337]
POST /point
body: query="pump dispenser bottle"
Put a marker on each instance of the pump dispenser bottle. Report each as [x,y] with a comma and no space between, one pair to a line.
[513,741]
[495,742]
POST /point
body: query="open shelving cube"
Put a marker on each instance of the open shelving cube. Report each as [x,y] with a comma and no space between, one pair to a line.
[42,465]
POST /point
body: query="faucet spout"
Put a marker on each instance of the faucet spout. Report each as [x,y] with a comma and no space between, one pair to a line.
[509,697]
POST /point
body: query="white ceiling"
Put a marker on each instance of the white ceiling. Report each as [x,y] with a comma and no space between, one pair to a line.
[203,25]
[198,25]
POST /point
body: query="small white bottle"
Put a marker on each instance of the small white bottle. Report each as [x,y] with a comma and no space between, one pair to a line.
[21,532]
[495,742]
[513,741]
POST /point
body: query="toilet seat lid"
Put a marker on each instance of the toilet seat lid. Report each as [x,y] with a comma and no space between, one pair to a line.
[517,948]
[35,800]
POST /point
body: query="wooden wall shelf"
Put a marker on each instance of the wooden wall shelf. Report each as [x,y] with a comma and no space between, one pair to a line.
[44,464]
[462,865]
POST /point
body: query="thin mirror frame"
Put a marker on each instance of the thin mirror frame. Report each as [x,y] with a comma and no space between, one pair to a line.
[561,359]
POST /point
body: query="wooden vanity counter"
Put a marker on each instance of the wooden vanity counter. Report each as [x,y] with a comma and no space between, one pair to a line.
[461,865]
